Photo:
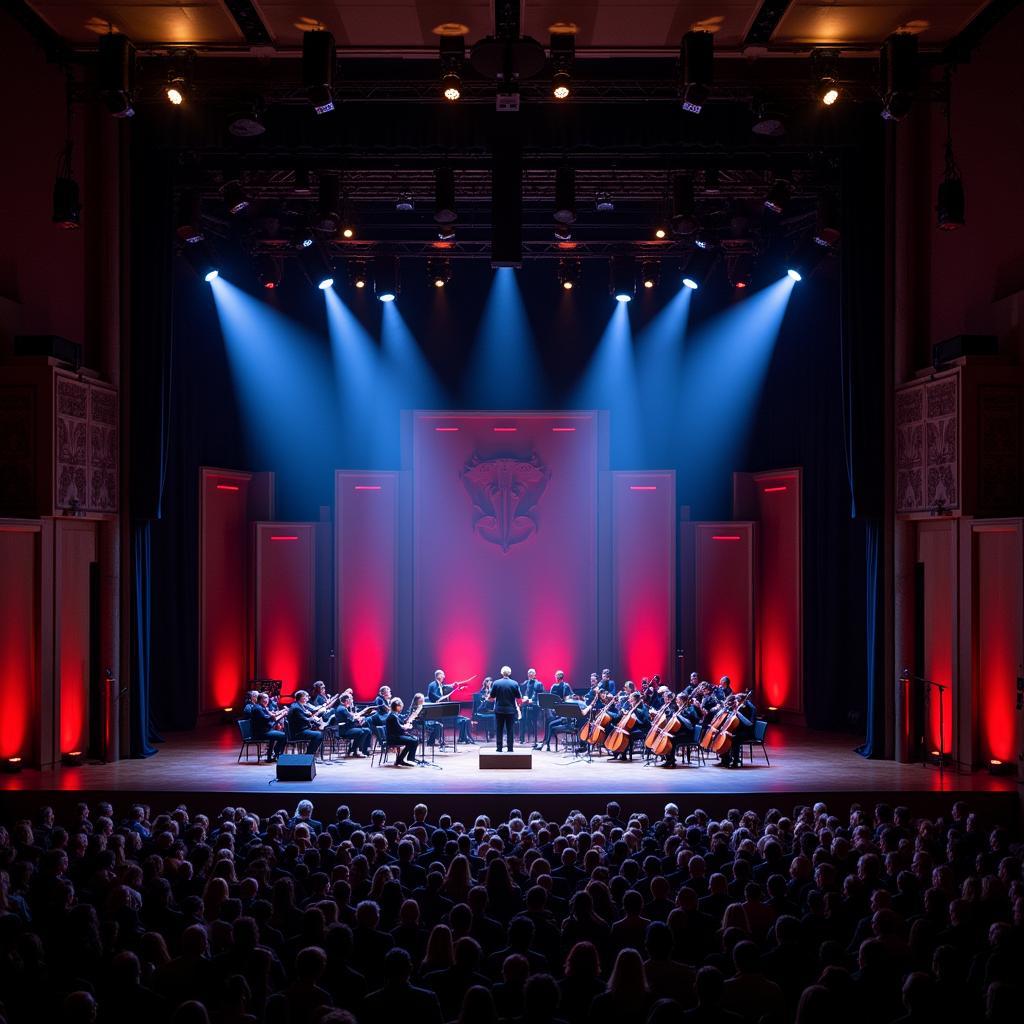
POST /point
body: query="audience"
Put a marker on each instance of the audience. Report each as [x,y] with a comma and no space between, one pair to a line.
[177,918]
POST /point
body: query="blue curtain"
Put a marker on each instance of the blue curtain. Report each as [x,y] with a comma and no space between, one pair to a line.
[874,742]
[143,735]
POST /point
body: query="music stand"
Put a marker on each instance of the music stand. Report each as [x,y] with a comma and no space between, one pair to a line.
[573,712]
[546,702]
[442,713]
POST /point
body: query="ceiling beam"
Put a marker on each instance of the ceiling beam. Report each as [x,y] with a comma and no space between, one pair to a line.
[249,22]
[958,50]
[765,22]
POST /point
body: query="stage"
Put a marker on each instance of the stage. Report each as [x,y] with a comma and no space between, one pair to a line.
[199,768]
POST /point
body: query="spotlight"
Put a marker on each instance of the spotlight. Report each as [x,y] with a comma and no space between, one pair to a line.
[623,278]
[739,271]
[316,266]
[696,55]
[439,272]
[703,240]
[444,196]
[234,195]
[348,220]
[358,275]
[405,202]
[794,274]
[563,233]
[565,195]
[568,274]
[176,90]
[768,120]
[200,258]
[649,274]
[12,765]
[318,59]
[303,236]
[826,71]
[247,123]
[563,53]
[898,74]
[778,196]
[188,228]
[452,51]
[116,74]
[660,232]
[269,270]
[385,275]
[698,270]
[604,203]
[67,205]
[328,218]
[446,233]
[71,759]
[805,259]
[684,205]
[827,231]
[998,767]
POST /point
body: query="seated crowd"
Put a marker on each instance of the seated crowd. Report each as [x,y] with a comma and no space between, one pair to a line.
[176,917]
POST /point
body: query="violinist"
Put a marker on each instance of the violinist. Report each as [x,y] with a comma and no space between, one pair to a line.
[304,723]
[265,725]
[438,691]
[350,726]
[746,716]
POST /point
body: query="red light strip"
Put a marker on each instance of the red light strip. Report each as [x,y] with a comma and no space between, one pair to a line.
[504,430]
[774,490]
[643,487]
[368,487]
[282,536]
[726,536]
[227,487]
[446,430]
[563,430]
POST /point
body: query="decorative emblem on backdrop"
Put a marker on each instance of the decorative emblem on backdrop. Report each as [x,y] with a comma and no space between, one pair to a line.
[505,490]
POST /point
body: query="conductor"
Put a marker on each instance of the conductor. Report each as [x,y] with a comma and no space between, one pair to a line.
[504,694]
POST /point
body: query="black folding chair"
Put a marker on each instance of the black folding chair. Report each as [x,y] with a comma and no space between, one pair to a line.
[248,740]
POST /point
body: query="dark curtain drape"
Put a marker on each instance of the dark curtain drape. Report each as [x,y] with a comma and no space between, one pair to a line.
[875,723]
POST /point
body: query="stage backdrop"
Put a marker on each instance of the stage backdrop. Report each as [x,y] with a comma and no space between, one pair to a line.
[505,542]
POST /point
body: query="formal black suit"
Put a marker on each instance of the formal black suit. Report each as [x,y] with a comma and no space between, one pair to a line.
[348,728]
[505,694]
[438,691]
[264,727]
[529,689]
[397,737]
[298,722]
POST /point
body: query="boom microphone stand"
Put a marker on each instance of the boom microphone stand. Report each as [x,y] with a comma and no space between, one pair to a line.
[907,676]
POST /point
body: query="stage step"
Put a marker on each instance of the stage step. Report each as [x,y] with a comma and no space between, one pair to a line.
[492,759]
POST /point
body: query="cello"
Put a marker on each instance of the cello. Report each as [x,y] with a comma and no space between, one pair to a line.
[617,740]
[722,728]
[593,730]
[661,738]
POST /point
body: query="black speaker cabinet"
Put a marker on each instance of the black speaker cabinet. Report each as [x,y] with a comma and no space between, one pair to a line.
[296,768]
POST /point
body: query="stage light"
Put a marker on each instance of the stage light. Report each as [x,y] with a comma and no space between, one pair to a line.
[827,231]
[568,274]
[444,196]
[303,236]
[319,56]
[329,191]
[898,75]
[622,273]
[565,195]
[684,205]
[660,232]
[778,196]
[826,72]
[358,274]
[949,206]
[269,270]
[116,74]
[67,204]
[175,91]
[234,195]
[189,217]
[739,271]
[405,203]
[12,765]
[604,203]
[563,53]
[768,120]
[563,233]
[507,201]
[805,259]
[316,266]
[452,51]
[794,274]
[446,233]
[71,759]
[247,123]
[385,274]
[200,257]
[696,56]
[999,767]
[439,272]
[650,274]
[703,239]
[699,268]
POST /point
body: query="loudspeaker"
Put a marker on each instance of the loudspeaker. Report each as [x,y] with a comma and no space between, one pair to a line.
[296,768]
[49,345]
[961,345]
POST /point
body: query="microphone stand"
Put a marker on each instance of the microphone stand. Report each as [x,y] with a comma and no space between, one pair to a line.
[907,677]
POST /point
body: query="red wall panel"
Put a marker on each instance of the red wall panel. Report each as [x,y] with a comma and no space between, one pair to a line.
[366,580]
[998,629]
[75,552]
[937,550]
[19,640]
[775,500]
[643,574]
[284,603]
[504,555]
[725,602]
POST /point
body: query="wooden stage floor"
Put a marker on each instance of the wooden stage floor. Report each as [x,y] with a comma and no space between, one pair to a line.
[200,769]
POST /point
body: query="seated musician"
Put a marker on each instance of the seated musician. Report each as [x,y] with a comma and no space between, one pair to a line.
[252,698]
[350,727]
[398,737]
[746,713]
[319,699]
[302,722]
[383,704]
[693,684]
[632,704]
[437,691]
[607,683]
[723,689]
[530,688]
[688,715]
[265,725]
[430,729]
[483,712]
[557,725]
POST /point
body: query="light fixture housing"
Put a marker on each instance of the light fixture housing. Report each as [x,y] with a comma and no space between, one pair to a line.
[319,56]
[696,60]
[452,51]
[358,274]
[444,195]
[116,74]
[568,273]
[698,269]
[176,90]
[563,54]
[201,259]
[439,273]
[269,271]
[684,206]
[622,278]
[898,71]
[385,278]
[565,195]
[779,195]
[316,266]
[650,274]
[825,64]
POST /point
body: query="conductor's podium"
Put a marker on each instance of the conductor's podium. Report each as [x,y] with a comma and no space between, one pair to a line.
[491,760]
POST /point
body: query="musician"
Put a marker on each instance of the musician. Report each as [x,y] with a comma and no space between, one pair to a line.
[688,714]
[529,689]
[252,698]
[302,723]
[694,683]
[437,691]
[398,737]
[555,723]
[607,683]
[746,713]
[382,702]
[631,704]
[350,727]
[265,725]
[504,696]
[594,687]
[723,689]
[561,688]
[483,710]
[430,729]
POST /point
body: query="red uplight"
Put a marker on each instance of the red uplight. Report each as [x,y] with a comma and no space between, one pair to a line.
[446,430]
[367,487]
[775,490]
[643,487]
[562,430]
[269,285]
[726,536]
[504,430]
[283,536]
[227,487]
[741,284]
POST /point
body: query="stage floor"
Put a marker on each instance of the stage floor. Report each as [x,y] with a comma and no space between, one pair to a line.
[200,768]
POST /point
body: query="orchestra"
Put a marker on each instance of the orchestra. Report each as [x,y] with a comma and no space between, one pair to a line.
[700,722]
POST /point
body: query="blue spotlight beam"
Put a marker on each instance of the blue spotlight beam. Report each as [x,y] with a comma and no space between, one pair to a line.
[504,370]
